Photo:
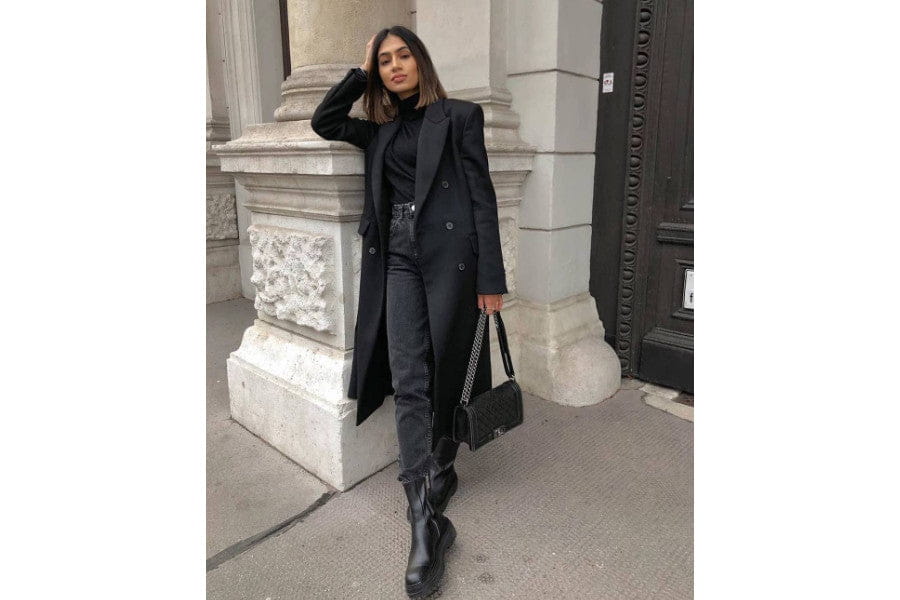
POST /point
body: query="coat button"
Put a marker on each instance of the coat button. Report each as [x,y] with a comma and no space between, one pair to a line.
[449,224]
[371,249]
[462,266]
[445,184]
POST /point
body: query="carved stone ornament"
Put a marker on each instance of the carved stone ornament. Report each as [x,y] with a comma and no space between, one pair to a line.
[221,217]
[294,275]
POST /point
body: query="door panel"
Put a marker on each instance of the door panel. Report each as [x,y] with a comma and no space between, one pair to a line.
[644,189]
[667,341]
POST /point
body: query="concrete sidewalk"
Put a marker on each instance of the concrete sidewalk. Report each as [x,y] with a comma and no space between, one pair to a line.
[592,502]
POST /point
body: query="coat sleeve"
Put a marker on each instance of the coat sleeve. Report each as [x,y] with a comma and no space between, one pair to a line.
[330,119]
[491,276]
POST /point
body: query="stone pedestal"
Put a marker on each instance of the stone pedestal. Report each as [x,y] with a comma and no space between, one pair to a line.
[288,379]
[289,390]
[563,352]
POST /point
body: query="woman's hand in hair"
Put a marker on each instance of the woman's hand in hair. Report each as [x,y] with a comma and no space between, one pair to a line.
[367,64]
[492,302]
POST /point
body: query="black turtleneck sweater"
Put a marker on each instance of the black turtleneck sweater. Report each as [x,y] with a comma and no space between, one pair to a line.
[400,153]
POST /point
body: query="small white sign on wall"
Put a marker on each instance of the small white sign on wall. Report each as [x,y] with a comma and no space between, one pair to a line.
[607,83]
[688,301]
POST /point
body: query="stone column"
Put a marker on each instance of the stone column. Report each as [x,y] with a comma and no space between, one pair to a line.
[223,271]
[288,379]
[467,40]
[554,76]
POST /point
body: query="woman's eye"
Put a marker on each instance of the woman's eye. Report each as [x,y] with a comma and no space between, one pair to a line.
[385,62]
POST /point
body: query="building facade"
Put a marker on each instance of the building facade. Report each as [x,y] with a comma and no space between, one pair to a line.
[283,205]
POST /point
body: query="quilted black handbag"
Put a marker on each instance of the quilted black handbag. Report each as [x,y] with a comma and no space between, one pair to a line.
[494,412]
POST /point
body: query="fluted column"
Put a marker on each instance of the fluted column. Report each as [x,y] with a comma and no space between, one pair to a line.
[288,379]
[223,271]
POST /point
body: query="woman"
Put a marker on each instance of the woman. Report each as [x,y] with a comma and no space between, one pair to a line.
[431,212]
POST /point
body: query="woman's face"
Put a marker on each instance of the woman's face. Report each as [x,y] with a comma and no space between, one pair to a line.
[396,61]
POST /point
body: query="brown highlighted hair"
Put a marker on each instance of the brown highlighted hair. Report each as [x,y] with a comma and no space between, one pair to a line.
[381,104]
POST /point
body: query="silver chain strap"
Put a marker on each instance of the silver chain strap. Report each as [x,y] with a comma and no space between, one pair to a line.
[473,359]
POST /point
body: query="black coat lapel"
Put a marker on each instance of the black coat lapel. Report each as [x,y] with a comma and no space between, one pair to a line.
[429,149]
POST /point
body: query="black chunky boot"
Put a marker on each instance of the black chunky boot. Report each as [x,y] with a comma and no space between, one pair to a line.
[431,534]
[443,486]
[443,476]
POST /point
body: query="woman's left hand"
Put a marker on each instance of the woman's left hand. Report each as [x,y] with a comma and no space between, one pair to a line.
[492,302]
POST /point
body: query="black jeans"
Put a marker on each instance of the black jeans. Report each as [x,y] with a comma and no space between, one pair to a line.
[410,352]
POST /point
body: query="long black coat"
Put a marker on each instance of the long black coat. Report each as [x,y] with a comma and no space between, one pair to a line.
[456,226]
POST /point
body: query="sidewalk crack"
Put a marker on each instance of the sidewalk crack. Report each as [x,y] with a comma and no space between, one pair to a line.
[244,545]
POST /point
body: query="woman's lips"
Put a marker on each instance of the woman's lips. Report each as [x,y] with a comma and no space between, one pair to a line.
[398,78]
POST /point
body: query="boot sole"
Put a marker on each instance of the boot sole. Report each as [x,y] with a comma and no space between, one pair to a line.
[434,578]
[443,504]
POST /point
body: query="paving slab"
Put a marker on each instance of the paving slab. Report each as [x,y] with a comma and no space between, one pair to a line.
[579,502]
[250,486]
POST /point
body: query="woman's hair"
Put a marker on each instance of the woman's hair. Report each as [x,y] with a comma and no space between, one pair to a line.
[381,104]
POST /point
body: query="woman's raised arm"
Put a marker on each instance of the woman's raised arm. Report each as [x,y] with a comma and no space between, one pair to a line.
[331,118]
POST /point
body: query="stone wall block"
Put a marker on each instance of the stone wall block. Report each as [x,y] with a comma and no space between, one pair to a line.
[221,217]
